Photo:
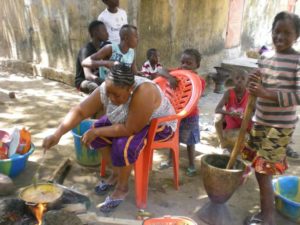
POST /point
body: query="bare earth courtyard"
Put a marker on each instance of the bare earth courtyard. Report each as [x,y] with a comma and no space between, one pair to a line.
[40,104]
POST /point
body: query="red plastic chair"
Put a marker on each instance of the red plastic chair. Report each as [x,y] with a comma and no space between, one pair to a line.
[183,98]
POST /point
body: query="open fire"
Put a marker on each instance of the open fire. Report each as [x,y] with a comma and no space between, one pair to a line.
[16,211]
[38,211]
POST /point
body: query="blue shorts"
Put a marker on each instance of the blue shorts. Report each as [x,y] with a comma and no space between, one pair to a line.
[189,132]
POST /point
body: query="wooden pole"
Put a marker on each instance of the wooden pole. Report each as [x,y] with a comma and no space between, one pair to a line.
[59,174]
[241,138]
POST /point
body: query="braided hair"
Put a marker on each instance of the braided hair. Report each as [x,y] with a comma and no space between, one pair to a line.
[121,75]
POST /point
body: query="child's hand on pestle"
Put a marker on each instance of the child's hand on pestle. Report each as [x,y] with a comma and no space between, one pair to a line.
[256,89]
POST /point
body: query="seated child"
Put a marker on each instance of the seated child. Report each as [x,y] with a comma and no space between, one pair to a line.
[151,66]
[113,54]
[87,80]
[229,120]
[189,131]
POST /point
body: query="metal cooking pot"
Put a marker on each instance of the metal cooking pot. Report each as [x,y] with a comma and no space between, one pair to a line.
[45,193]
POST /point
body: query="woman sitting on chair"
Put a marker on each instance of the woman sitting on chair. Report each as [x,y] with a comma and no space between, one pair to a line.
[130,102]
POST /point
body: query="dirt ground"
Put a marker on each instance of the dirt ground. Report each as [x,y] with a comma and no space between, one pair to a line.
[41,104]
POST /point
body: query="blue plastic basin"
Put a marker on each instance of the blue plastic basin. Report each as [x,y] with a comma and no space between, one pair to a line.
[14,166]
[287,196]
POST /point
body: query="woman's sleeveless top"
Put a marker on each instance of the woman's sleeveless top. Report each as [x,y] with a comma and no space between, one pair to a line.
[118,114]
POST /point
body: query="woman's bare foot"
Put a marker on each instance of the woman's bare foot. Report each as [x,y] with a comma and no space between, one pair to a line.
[112,179]
[119,192]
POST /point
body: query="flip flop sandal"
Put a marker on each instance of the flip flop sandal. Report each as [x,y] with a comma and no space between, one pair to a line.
[103,188]
[291,153]
[253,220]
[164,165]
[110,204]
[191,172]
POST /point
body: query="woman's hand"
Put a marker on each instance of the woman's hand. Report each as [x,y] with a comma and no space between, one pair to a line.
[89,136]
[50,141]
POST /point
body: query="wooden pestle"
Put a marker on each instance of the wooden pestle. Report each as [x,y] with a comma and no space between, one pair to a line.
[241,138]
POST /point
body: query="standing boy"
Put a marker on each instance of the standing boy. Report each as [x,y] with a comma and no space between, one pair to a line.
[114,18]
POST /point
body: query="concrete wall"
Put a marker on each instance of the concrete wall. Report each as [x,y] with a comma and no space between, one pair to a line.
[47,34]
[257,21]
[177,25]
[44,36]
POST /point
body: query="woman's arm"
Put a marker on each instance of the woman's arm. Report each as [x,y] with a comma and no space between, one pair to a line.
[85,109]
[99,58]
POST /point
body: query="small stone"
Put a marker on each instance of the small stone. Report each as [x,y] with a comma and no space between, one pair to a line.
[12,94]
[7,186]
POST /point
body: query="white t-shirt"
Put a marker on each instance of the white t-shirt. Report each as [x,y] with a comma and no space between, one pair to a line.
[113,23]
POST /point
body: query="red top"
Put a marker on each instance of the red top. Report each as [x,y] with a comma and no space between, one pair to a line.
[234,106]
[195,110]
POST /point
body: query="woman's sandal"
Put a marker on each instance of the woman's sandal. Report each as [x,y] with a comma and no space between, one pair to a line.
[103,188]
[191,172]
[110,204]
[253,220]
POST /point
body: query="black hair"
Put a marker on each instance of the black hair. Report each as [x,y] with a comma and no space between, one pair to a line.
[125,29]
[286,15]
[93,25]
[195,53]
[150,52]
[121,75]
